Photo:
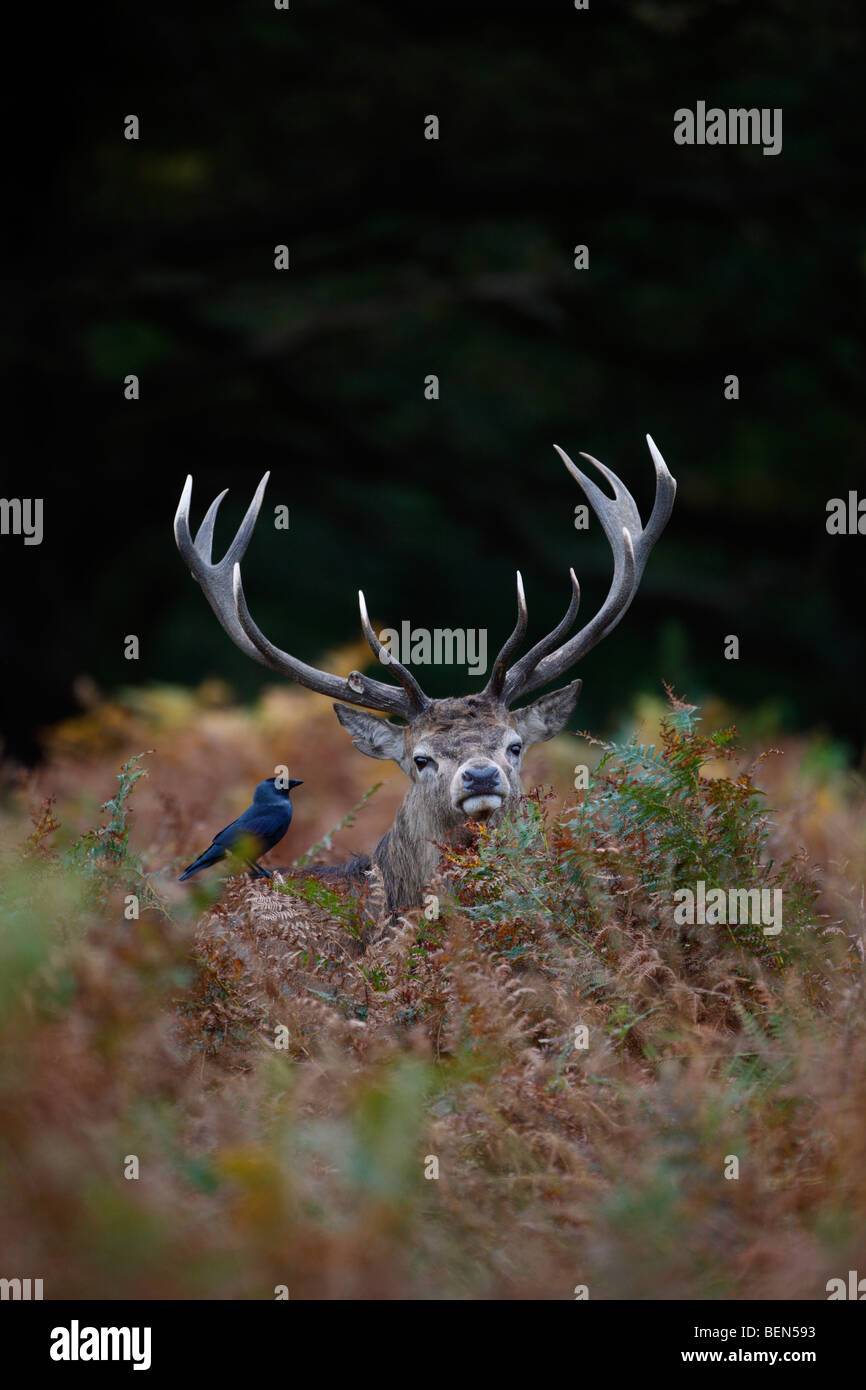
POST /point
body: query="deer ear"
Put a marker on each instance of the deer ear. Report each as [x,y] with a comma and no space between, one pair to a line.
[376,737]
[547,716]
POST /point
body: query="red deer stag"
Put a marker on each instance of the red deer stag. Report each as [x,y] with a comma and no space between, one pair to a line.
[462,755]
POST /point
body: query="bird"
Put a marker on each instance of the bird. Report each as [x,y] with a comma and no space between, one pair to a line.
[260,827]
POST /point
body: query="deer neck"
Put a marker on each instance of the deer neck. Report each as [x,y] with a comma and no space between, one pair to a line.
[408,854]
[407,858]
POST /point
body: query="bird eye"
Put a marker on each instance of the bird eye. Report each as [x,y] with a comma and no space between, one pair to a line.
[515,750]
[421,762]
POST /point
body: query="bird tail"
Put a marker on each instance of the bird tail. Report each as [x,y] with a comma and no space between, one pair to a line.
[210,856]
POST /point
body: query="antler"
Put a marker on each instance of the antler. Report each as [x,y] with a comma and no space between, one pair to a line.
[223,589]
[631,543]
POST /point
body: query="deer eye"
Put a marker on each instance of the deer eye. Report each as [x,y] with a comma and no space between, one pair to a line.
[515,749]
[421,762]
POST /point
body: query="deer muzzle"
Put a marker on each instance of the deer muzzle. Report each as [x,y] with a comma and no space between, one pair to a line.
[479,790]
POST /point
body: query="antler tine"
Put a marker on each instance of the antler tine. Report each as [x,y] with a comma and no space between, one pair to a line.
[666,491]
[416,695]
[216,579]
[223,589]
[631,544]
[204,535]
[500,665]
[562,629]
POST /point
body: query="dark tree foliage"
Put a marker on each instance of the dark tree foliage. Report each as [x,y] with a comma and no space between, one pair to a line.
[455,257]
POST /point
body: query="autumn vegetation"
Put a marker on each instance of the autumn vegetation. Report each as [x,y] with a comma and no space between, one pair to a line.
[284,1059]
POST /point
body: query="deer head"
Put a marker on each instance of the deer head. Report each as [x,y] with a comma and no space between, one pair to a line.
[462,755]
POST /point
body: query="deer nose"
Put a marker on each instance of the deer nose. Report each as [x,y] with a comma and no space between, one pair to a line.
[481,781]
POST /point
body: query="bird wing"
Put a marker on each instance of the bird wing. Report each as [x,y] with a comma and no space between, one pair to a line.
[264,825]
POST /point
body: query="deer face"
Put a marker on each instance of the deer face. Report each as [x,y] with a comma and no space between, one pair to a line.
[462,756]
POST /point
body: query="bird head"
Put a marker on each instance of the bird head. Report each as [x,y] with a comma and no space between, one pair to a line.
[269,787]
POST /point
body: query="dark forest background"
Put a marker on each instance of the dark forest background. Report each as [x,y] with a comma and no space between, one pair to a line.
[411,257]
